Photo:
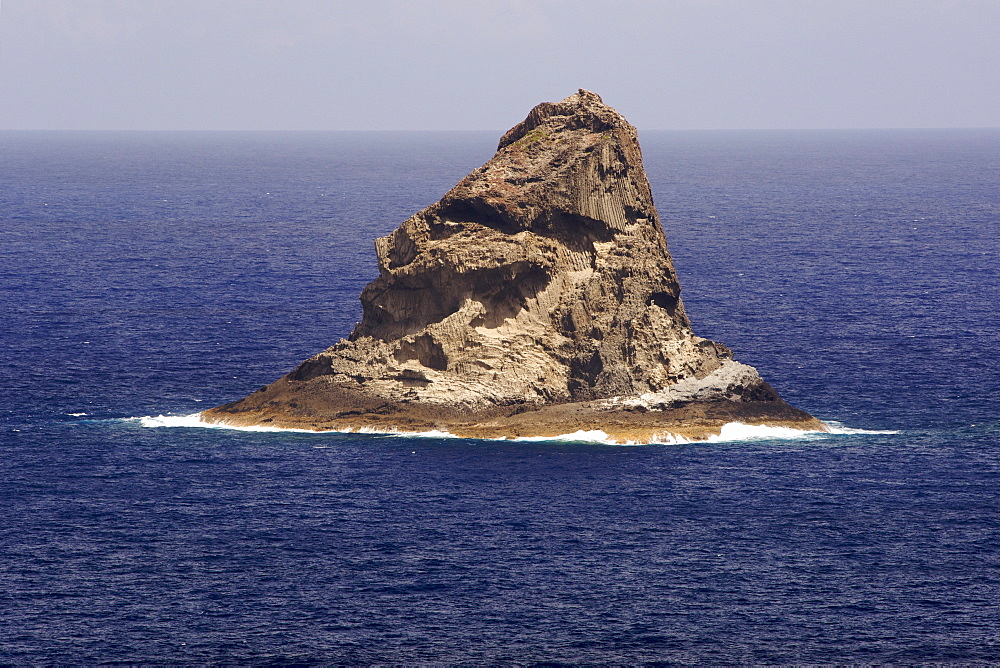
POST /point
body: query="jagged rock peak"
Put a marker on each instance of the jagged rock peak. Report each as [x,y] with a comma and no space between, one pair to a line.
[542,276]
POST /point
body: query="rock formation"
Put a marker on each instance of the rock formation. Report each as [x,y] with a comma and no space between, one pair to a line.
[536,298]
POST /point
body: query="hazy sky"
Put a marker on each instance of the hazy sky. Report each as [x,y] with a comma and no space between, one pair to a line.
[482,64]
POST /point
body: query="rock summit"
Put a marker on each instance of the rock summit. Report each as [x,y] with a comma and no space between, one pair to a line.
[536,298]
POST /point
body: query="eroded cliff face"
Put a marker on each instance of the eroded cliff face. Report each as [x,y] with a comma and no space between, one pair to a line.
[542,278]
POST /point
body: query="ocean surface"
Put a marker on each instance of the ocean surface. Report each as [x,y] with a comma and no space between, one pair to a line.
[157,274]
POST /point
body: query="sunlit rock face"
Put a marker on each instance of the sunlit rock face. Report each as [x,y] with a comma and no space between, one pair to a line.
[542,278]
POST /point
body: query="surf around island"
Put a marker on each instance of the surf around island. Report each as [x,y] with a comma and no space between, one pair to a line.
[536,299]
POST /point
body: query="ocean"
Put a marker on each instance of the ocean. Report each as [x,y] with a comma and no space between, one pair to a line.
[156,274]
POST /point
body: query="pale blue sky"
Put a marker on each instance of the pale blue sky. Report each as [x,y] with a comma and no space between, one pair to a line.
[481,64]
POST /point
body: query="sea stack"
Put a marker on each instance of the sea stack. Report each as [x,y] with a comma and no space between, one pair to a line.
[536,298]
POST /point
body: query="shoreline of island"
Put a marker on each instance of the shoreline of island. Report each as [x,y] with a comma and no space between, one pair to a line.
[692,422]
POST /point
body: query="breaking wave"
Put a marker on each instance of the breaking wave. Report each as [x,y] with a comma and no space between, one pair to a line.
[194,420]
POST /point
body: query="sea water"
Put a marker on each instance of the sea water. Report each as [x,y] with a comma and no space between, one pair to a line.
[147,276]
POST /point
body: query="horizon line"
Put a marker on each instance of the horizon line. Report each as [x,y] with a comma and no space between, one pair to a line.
[494,130]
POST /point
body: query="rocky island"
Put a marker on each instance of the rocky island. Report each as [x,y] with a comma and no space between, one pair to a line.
[537,298]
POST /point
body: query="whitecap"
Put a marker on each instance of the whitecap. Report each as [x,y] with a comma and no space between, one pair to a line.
[76,414]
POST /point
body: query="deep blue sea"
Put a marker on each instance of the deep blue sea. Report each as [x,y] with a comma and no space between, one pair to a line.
[162,273]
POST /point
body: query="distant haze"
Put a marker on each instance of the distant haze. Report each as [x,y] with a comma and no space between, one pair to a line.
[464,64]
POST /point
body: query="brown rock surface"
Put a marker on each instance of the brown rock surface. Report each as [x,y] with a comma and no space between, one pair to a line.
[536,298]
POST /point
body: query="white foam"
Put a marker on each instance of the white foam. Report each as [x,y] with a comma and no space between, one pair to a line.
[738,431]
[76,414]
[585,436]
[731,432]
[838,428]
[392,431]
[433,433]
[194,420]
[661,439]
